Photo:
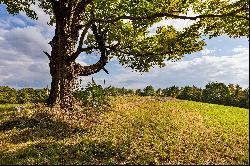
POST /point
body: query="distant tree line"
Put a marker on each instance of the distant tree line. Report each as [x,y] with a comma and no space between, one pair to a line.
[214,92]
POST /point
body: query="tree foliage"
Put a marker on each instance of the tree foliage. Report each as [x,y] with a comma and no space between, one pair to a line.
[190,93]
[216,93]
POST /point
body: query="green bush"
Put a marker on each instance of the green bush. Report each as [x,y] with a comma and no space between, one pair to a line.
[186,93]
[25,95]
[94,96]
[244,99]
[196,94]
[190,93]
[40,96]
[172,91]
[216,93]
[113,91]
[148,91]
[139,92]
[8,95]
[158,92]
[97,97]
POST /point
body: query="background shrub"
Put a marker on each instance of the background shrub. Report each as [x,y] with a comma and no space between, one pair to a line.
[8,95]
[216,93]
[94,96]
[148,91]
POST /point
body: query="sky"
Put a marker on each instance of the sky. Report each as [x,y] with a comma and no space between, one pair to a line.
[23,63]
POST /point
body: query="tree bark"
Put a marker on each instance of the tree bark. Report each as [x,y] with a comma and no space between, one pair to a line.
[61,70]
[63,77]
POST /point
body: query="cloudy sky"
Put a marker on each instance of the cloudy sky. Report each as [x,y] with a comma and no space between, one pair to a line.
[22,63]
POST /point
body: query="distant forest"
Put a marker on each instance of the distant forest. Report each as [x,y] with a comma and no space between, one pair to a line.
[214,92]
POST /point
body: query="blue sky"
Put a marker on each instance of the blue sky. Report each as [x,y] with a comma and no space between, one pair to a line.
[22,63]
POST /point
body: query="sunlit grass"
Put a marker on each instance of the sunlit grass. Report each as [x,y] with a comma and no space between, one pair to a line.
[138,130]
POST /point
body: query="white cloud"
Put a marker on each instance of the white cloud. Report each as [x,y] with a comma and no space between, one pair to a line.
[178,24]
[207,51]
[22,60]
[27,40]
[8,22]
[240,49]
[43,18]
[199,71]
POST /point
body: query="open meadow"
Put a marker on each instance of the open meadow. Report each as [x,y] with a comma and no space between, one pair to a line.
[136,130]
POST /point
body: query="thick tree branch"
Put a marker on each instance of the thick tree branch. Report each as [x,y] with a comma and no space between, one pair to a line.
[85,31]
[99,39]
[91,69]
[88,70]
[80,50]
[164,14]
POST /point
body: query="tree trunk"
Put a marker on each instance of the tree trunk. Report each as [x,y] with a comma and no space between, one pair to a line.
[62,72]
[67,83]
[63,68]
[63,80]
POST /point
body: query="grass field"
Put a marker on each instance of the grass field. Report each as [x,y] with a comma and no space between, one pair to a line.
[138,130]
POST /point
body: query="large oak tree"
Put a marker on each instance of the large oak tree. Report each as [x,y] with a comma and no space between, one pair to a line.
[120,28]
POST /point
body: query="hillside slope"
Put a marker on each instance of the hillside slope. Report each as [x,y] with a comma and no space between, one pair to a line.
[138,130]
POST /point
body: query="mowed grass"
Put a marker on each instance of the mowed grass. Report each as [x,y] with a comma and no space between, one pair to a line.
[138,130]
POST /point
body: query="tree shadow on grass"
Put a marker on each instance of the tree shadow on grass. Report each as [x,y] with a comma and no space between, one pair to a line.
[44,133]
[86,152]
[39,126]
